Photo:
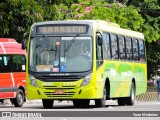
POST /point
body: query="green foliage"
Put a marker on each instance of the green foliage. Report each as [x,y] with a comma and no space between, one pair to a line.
[17,16]
[150,10]
[153,59]
[57,2]
[126,17]
[61,12]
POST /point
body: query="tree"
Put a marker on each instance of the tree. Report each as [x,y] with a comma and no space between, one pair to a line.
[16,17]
[135,17]
[150,10]
[153,58]
[126,17]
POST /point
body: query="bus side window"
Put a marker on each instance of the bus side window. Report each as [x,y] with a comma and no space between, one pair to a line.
[135,50]
[18,63]
[129,48]
[1,64]
[141,50]
[106,46]
[122,48]
[7,64]
[99,53]
[114,46]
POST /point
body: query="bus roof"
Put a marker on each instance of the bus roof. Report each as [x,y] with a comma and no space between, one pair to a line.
[99,25]
[113,28]
[10,46]
[77,22]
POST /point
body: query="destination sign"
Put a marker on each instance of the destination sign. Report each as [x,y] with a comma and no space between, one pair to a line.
[62,29]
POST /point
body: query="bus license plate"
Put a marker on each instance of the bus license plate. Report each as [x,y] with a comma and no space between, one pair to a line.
[59,92]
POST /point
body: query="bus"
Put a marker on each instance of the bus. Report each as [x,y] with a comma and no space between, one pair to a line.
[12,72]
[56,70]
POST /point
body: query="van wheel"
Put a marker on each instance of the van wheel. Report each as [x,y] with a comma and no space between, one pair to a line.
[47,103]
[1,102]
[131,99]
[19,100]
[101,102]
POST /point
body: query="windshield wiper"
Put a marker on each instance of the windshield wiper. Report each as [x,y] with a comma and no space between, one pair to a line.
[71,42]
[45,37]
[40,45]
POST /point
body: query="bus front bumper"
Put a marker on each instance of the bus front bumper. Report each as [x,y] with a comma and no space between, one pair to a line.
[85,92]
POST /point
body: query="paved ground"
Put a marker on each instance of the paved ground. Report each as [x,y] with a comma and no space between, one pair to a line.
[64,108]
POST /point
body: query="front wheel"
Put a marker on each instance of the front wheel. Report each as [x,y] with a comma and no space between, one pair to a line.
[101,102]
[47,103]
[19,100]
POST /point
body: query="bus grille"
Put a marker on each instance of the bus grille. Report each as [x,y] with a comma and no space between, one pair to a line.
[66,94]
[57,87]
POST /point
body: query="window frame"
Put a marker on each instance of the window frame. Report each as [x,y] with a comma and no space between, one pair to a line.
[10,67]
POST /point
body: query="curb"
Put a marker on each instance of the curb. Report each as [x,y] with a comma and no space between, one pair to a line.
[33,101]
[148,96]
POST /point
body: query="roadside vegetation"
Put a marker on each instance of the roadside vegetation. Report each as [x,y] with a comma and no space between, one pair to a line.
[16,17]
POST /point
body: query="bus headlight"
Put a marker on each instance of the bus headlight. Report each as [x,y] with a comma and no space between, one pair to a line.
[86,80]
[33,81]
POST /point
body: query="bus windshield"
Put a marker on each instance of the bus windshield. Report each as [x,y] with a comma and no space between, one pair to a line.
[60,54]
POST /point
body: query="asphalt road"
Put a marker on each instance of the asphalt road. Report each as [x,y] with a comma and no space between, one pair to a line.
[111,105]
[142,110]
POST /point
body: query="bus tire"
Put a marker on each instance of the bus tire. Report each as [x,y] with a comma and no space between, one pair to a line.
[47,103]
[101,102]
[131,99]
[19,100]
[77,103]
[121,101]
[81,103]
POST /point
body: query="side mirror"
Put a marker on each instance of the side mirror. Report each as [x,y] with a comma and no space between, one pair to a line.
[99,40]
[24,40]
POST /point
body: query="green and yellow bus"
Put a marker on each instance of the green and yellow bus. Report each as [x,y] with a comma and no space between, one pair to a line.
[83,60]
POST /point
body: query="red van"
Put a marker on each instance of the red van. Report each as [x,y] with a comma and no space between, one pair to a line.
[12,72]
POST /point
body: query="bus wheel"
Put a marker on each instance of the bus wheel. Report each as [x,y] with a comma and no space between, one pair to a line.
[131,99]
[101,102]
[85,103]
[19,100]
[121,101]
[81,103]
[47,103]
[76,103]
